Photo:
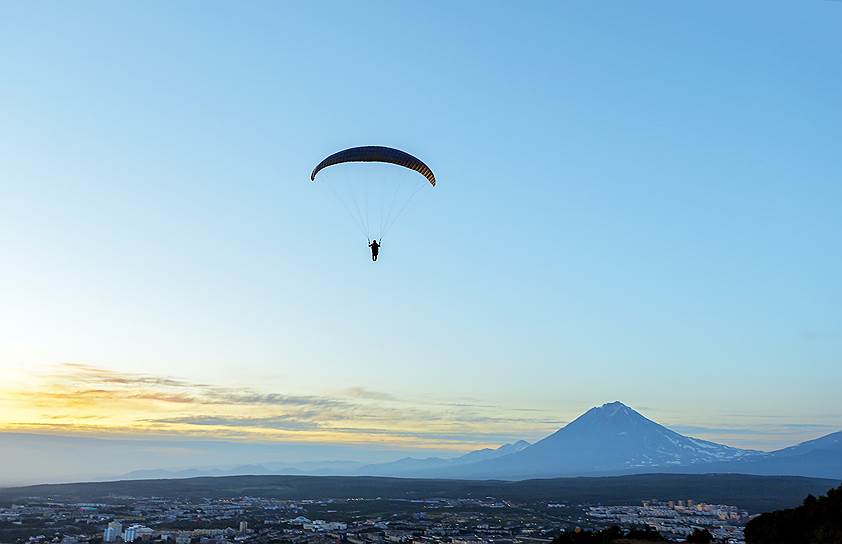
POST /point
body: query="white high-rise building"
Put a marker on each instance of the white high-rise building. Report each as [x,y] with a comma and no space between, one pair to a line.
[244,526]
[114,529]
[130,534]
[136,531]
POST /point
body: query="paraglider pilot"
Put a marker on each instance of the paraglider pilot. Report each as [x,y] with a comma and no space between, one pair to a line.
[375,249]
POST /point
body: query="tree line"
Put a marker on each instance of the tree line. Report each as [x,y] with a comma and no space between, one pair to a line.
[816,521]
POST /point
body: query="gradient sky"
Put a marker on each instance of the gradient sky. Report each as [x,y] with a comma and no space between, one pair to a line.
[635,202]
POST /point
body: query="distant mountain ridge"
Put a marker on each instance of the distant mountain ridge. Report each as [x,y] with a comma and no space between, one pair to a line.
[819,458]
[830,442]
[612,439]
[312,468]
[411,466]
[402,467]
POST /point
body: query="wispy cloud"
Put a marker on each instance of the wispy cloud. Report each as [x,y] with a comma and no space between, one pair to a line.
[83,398]
[91,374]
[288,423]
[363,393]
[226,396]
[784,429]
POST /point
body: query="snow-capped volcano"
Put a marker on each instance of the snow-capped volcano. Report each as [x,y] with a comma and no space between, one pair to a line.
[614,434]
[607,439]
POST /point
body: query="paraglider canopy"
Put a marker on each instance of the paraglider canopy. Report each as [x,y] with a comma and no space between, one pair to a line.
[376,153]
[375,201]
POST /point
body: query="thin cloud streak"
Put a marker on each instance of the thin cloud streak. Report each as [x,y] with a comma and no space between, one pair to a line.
[87,399]
[363,393]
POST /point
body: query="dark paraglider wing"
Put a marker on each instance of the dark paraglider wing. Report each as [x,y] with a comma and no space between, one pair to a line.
[375,202]
[375,153]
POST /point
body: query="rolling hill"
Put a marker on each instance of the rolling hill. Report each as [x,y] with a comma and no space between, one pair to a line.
[754,493]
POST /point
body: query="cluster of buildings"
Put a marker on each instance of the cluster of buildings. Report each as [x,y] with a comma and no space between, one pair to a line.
[125,519]
[319,525]
[133,532]
[677,518]
[258,520]
[137,532]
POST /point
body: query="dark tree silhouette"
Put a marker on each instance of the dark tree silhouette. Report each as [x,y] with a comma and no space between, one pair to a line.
[701,536]
[644,533]
[817,521]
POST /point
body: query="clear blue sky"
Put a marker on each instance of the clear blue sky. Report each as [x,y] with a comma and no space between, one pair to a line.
[636,201]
